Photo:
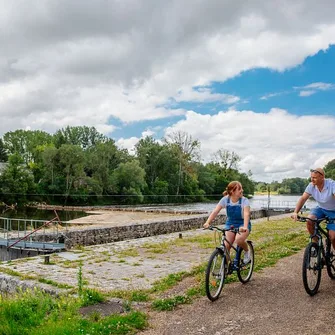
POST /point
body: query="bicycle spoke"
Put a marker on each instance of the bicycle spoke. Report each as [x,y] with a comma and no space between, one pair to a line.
[311,270]
[245,269]
[215,275]
[330,261]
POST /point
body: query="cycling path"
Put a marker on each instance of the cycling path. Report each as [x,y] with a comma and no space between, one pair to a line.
[273,302]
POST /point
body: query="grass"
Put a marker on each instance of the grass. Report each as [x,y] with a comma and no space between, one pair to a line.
[34,312]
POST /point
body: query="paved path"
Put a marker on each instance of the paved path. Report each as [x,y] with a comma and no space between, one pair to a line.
[273,302]
[131,264]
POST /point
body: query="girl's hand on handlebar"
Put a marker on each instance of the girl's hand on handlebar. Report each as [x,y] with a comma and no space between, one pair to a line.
[243,230]
[206,225]
[294,216]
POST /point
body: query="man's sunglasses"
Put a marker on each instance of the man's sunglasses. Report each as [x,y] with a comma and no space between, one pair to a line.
[316,171]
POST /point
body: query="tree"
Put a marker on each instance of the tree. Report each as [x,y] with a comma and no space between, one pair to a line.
[228,161]
[206,179]
[101,160]
[51,166]
[187,150]
[128,180]
[330,169]
[25,143]
[3,152]
[71,161]
[149,154]
[83,136]
[16,181]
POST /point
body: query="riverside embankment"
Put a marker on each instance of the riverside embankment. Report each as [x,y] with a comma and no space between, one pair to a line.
[117,224]
[127,264]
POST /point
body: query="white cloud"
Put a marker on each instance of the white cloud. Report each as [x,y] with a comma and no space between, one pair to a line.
[127,143]
[109,63]
[204,94]
[320,86]
[306,91]
[271,95]
[272,145]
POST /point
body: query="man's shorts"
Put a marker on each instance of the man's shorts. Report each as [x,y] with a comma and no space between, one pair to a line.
[321,213]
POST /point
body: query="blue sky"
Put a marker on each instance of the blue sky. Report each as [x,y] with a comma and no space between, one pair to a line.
[261,89]
[254,78]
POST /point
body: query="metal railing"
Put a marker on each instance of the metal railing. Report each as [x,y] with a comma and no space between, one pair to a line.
[32,234]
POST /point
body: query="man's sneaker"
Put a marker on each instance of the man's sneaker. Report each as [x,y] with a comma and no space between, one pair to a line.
[246,258]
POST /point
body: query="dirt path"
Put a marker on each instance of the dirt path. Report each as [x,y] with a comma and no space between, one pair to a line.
[273,302]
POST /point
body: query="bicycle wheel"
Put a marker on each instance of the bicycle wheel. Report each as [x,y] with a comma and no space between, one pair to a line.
[311,268]
[215,275]
[330,260]
[244,270]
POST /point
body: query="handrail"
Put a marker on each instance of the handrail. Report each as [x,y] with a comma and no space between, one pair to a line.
[35,230]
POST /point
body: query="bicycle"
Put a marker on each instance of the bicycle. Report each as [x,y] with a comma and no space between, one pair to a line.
[317,255]
[222,263]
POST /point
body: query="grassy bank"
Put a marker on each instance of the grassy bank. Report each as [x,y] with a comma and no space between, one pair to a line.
[38,313]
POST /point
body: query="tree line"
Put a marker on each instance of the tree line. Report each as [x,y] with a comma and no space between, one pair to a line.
[293,185]
[79,165]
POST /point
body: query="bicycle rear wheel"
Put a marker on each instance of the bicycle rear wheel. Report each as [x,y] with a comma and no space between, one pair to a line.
[311,268]
[215,275]
[330,260]
[244,270]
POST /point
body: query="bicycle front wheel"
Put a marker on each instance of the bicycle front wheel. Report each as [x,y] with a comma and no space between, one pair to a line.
[245,267]
[330,260]
[311,268]
[215,275]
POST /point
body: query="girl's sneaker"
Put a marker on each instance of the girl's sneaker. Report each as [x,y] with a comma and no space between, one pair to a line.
[246,258]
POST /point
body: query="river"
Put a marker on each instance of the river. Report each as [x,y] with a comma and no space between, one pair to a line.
[257,202]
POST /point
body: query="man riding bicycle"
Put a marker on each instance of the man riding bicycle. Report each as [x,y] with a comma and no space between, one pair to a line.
[323,191]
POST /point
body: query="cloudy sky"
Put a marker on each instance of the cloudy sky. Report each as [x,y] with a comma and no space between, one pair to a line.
[256,77]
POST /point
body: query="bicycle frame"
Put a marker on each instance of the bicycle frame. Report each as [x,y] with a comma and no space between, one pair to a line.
[221,264]
[320,233]
[223,247]
[317,255]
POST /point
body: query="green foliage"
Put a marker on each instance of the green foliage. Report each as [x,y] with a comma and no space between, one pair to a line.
[3,152]
[87,296]
[91,297]
[169,304]
[78,165]
[34,312]
[169,281]
[287,186]
[128,180]
[330,169]
[83,136]
[80,280]
[16,181]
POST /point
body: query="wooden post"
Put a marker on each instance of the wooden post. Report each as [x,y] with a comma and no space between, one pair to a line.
[268,202]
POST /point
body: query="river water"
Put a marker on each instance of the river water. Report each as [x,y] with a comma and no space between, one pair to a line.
[257,202]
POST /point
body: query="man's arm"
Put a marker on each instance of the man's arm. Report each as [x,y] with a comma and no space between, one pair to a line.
[299,205]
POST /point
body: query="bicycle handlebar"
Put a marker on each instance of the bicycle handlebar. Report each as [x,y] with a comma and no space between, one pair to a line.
[304,219]
[232,229]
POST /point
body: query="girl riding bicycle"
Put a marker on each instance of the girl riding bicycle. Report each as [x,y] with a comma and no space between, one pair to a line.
[238,215]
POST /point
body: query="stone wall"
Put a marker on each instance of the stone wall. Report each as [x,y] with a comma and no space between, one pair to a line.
[11,284]
[93,236]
